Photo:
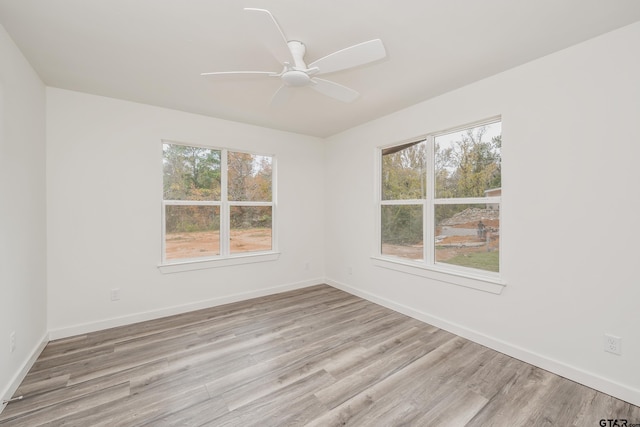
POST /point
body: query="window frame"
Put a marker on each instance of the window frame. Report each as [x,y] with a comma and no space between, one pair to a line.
[427,266]
[225,257]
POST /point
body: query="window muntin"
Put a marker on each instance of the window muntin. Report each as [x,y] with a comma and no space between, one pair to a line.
[216,203]
[444,190]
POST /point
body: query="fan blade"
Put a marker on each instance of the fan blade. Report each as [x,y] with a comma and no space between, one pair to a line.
[270,34]
[240,73]
[350,57]
[334,90]
[281,96]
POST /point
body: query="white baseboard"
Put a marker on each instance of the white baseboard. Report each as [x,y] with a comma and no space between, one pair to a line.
[85,328]
[589,379]
[17,379]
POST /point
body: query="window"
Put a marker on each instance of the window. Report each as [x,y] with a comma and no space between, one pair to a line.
[216,203]
[445,190]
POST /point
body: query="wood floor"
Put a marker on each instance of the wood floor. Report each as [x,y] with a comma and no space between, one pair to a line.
[316,356]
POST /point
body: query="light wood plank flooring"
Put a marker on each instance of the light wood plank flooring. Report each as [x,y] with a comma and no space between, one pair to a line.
[316,356]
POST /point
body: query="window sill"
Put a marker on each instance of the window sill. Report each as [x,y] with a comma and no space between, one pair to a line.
[490,283]
[177,267]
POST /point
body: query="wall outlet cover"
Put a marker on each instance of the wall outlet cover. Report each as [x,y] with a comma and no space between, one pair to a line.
[612,344]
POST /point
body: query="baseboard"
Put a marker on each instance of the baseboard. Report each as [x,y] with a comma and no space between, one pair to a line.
[620,391]
[85,328]
[17,379]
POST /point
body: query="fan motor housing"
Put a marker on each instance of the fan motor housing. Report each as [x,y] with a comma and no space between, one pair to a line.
[295,78]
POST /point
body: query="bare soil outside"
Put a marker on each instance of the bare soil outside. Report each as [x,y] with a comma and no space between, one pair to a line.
[451,246]
[207,243]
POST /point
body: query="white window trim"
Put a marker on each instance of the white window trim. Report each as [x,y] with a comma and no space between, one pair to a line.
[466,279]
[201,264]
[225,258]
[462,276]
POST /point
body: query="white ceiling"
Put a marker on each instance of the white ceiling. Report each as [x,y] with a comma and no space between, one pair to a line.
[153,51]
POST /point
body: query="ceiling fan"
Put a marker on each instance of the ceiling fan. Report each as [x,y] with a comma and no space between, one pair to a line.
[295,73]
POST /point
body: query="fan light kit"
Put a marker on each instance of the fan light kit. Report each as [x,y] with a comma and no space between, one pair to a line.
[295,72]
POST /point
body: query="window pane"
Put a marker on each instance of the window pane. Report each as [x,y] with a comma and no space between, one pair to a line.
[468,235]
[191,173]
[402,231]
[249,177]
[192,231]
[467,163]
[250,228]
[404,172]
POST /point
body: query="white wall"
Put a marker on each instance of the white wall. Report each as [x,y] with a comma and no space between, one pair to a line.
[104,179]
[22,213]
[570,231]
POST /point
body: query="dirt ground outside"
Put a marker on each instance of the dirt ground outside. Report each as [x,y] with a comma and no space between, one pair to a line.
[448,247]
[207,243]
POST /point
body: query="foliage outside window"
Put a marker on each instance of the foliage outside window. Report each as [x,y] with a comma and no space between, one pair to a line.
[444,190]
[216,203]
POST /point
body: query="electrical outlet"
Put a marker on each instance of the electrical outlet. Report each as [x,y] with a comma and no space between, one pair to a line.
[612,344]
[12,342]
[115,294]
[350,270]
[307,265]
